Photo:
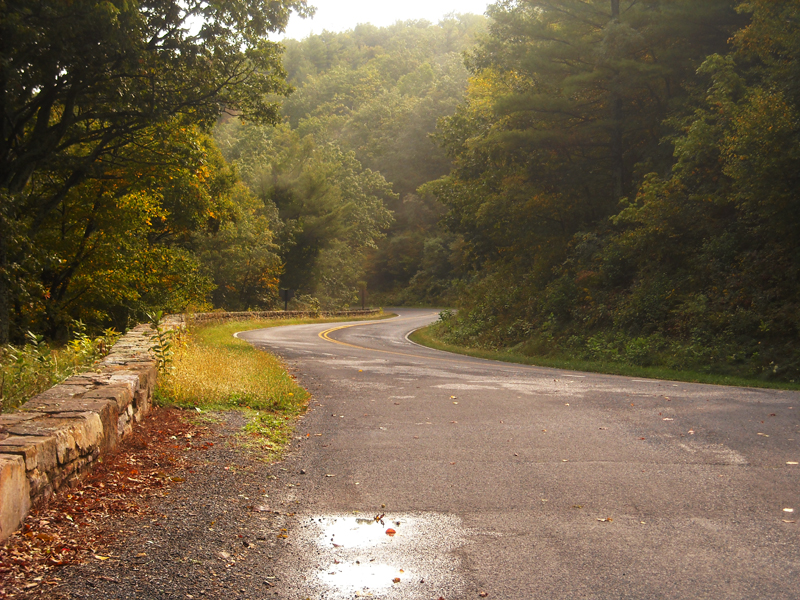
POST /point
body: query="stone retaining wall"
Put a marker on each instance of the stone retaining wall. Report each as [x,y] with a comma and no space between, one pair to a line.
[278,314]
[55,438]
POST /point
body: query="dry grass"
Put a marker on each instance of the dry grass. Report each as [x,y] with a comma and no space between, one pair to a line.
[212,370]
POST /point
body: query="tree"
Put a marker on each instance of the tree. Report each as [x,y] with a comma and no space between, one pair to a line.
[242,255]
[82,81]
[379,92]
[331,209]
[707,255]
[119,246]
[566,104]
[567,109]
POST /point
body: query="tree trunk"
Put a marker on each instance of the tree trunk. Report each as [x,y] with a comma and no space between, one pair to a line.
[616,117]
[617,151]
[4,287]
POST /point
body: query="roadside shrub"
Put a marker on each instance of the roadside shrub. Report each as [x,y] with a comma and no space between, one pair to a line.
[28,370]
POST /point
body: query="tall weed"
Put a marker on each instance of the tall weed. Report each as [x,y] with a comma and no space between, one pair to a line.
[36,366]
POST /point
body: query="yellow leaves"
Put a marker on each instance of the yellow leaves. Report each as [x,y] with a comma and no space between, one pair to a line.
[484,88]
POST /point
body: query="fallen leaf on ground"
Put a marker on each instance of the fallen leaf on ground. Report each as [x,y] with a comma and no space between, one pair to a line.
[390,532]
[98,557]
[396,580]
[606,520]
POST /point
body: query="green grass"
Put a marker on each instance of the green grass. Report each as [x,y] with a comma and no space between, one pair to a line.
[426,337]
[213,371]
[268,433]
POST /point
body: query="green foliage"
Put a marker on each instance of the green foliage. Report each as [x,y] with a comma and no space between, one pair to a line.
[309,303]
[241,254]
[34,367]
[565,105]
[330,210]
[102,102]
[379,92]
[626,185]
[163,341]
[119,247]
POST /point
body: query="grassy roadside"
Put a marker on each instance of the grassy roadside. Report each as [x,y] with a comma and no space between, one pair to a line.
[427,337]
[213,371]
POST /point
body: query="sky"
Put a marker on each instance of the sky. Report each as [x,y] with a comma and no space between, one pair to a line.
[340,15]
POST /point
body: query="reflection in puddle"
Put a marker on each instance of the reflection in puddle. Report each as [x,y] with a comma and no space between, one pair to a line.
[355,532]
[349,578]
[347,556]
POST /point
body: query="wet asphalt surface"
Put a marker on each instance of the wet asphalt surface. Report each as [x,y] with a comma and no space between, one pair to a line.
[521,482]
[487,480]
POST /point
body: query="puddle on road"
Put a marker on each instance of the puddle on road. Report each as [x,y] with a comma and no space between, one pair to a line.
[355,532]
[364,580]
[351,555]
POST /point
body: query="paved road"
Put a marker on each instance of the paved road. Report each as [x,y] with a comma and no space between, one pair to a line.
[523,482]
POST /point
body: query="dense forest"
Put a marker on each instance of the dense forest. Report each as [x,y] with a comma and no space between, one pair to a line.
[612,179]
[626,183]
[345,166]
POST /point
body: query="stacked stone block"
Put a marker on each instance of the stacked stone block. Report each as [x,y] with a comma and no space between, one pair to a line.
[56,437]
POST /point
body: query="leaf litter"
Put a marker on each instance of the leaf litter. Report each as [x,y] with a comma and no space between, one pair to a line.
[75,526]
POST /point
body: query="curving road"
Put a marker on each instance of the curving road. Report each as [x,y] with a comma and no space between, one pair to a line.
[521,482]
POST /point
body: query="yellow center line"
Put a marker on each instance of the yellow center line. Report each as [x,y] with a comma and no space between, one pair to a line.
[325,335]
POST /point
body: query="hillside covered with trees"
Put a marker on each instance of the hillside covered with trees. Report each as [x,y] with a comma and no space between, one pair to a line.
[355,146]
[609,179]
[626,183]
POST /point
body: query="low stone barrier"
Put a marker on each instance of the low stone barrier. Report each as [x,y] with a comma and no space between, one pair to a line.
[54,439]
[278,314]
